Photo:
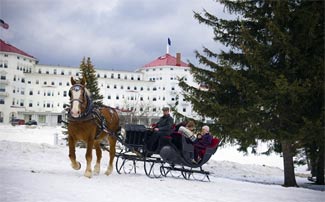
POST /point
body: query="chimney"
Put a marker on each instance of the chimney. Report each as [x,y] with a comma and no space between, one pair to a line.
[178,59]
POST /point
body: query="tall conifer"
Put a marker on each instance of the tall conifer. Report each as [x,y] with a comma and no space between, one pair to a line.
[269,83]
[89,73]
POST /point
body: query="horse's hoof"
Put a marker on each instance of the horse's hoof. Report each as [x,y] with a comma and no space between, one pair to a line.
[109,171]
[88,174]
[96,169]
[76,166]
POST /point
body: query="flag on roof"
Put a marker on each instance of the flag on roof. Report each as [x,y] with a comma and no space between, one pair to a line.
[169,42]
[3,24]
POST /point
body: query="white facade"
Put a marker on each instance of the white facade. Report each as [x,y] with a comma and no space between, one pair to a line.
[31,91]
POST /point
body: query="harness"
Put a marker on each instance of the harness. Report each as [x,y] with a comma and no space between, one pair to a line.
[92,112]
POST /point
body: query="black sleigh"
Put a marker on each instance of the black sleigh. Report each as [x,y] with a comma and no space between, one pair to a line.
[172,157]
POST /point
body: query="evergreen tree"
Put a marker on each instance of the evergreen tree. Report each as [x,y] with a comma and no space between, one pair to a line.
[269,85]
[89,73]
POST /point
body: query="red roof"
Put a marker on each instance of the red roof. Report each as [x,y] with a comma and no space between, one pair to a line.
[166,60]
[5,47]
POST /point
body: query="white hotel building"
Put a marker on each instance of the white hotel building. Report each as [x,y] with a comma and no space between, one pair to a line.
[31,91]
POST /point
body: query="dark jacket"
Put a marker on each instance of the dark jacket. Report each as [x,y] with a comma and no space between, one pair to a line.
[165,124]
[204,141]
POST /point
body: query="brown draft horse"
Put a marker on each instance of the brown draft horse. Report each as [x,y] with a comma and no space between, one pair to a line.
[85,126]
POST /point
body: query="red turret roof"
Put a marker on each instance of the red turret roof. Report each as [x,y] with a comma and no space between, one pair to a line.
[5,47]
[165,60]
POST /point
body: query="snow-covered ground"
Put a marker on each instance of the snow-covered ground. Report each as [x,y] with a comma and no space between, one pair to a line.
[34,168]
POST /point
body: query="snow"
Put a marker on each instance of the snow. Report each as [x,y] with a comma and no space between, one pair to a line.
[34,168]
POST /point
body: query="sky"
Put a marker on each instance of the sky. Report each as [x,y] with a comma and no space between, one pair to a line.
[115,34]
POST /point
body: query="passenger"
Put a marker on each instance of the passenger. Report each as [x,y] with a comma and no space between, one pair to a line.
[162,128]
[188,124]
[187,131]
[203,140]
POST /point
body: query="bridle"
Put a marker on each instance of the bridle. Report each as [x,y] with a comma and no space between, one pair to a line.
[77,87]
[85,101]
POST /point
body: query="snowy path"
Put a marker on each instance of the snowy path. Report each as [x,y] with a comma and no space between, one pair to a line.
[40,172]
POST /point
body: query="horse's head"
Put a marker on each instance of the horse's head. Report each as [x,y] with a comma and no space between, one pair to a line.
[78,97]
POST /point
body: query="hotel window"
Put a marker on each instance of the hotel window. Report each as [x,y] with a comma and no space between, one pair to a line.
[125,77]
[30,104]
[112,76]
[1,65]
[54,71]
[117,97]
[128,88]
[21,103]
[47,72]
[2,88]
[62,72]
[77,74]
[39,71]
[132,78]
[109,97]
[64,93]
[105,76]
[118,76]
[2,100]
[98,75]
[52,83]
[3,77]
[41,118]
[184,109]
[30,92]
[122,87]
[45,83]
[107,86]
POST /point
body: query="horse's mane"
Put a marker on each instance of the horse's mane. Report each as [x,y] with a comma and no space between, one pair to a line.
[87,92]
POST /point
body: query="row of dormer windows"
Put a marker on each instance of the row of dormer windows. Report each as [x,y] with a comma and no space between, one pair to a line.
[112,76]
